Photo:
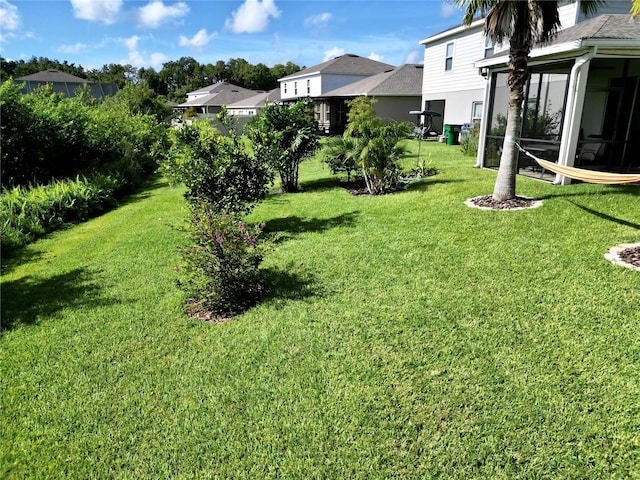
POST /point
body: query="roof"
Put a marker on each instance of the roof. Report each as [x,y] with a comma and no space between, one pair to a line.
[259,100]
[607,30]
[217,99]
[614,26]
[219,87]
[405,80]
[52,76]
[348,64]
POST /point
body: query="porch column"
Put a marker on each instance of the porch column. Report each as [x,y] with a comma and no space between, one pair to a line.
[573,114]
[484,121]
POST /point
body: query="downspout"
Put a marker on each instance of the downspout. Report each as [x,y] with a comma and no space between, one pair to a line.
[573,113]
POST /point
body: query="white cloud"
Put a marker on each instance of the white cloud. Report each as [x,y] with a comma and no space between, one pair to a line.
[414,57]
[199,40]
[75,48]
[252,16]
[320,20]
[139,59]
[155,13]
[105,11]
[132,42]
[9,17]
[448,9]
[334,52]
[375,56]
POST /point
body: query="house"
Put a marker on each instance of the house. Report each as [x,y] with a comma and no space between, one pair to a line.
[397,91]
[251,106]
[209,100]
[316,81]
[593,61]
[65,83]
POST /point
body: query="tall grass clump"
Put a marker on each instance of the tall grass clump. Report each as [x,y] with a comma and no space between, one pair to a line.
[28,213]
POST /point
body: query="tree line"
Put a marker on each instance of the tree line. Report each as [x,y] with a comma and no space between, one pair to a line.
[173,81]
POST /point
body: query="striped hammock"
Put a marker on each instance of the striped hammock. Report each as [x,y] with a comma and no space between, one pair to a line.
[584,175]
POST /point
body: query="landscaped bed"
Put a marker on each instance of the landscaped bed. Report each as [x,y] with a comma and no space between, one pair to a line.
[402,336]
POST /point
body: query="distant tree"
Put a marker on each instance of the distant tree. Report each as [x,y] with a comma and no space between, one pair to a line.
[152,79]
[116,73]
[279,70]
[141,100]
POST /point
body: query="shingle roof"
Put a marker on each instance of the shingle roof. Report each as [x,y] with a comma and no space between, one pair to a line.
[220,87]
[258,100]
[347,64]
[614,26]
[223,97]
[52,76]
[405,80]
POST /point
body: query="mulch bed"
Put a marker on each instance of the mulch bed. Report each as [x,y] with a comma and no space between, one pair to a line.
[487,202]
[631,255]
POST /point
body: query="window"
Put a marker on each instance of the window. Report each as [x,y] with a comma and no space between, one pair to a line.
[476,113]
[308,87]
[488,47]
[285,88]
[295,88]
[448,61]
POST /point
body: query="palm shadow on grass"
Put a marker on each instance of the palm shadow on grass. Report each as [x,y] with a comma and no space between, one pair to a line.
[604,216]
[282,228]
[29,300]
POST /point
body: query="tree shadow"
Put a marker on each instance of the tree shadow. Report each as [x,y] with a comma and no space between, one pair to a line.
[427,182]
[326,183]
[283,285]
[29,300]
[294,225]
[604,216]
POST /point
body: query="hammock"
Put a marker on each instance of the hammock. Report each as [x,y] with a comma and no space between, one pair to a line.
[589,176]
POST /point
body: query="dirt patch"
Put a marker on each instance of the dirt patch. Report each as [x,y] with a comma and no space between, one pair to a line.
[625,255]
[487,202]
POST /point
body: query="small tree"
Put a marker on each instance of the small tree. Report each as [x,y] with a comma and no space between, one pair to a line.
[284,136]
[216,169]
[338,153]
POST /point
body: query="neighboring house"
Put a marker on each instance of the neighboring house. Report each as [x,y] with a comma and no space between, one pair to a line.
[316,81]
[209,100]
[251,106]
[593,60]
[397,91]
[65,83]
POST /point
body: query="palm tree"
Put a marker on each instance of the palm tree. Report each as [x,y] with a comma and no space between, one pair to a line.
[525,23]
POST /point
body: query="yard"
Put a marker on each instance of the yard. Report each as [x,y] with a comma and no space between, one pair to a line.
[404,336]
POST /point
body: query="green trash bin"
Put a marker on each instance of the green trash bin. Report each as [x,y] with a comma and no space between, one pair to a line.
[452,132]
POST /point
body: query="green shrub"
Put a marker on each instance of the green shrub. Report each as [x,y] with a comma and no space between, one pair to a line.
[45,136]
[219,272]
[216,169]
[469,144]
[338,153]
[283,136]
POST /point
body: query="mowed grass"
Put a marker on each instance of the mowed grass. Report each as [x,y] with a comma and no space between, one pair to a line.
[404,336]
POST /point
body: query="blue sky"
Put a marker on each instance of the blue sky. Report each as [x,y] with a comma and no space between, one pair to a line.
[146,33]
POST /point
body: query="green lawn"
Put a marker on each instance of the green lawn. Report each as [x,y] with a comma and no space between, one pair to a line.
[405,336]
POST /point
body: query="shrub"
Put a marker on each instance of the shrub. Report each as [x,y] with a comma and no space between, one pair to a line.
[378,151]
[216,169]
[338,153]
[45,136]
[220,272]
[469,144]
[283,136]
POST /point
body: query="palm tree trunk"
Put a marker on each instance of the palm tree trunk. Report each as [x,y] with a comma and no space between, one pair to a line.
[505,187]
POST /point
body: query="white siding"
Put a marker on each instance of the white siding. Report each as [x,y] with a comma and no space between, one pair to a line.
[468,47]
[568,14]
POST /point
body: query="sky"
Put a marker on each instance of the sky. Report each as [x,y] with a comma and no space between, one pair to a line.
[145,33]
